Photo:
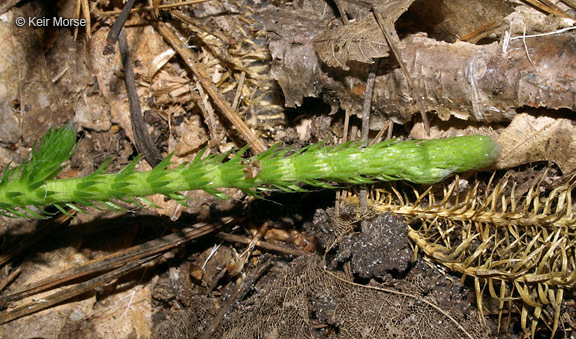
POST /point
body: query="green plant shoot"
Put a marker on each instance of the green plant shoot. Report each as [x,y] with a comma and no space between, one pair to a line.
[33,182]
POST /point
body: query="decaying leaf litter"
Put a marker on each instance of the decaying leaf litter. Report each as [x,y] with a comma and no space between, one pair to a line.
[512,82]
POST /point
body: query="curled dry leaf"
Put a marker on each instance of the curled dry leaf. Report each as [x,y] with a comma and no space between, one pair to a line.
[544,138]
[294,63]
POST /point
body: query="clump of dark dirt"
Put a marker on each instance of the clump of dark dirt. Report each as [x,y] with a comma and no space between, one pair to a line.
[374,248]
[380,248]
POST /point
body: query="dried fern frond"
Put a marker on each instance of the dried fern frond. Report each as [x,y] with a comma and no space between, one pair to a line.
[521,249]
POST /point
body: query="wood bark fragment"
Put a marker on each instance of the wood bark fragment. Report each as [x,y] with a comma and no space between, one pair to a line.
[481,82]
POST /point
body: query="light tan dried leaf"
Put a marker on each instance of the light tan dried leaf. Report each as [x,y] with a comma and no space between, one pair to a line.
[359,41]
[452,128]
[29,103]
[145,47]
[531,138]
[48,323]
[124,314]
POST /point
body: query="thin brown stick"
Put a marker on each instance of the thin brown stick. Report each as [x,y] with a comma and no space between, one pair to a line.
[209,116]
[246,285]
[263,244]
[476,35]
[142,138]
[238,91]
[340,194]
[236,266]
[118,25]
[368,104]
[117,259]
[570,3]
[84,6]
[380,134]
[189,58]
[10,278]
[393,41]
[548,7]
[71,292]
[152,8]
[353,132]
[363,195]
[342,10]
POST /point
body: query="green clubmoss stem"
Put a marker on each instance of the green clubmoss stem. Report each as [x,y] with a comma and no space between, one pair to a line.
[317,165]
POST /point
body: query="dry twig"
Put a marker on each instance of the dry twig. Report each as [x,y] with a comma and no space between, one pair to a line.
[189,58]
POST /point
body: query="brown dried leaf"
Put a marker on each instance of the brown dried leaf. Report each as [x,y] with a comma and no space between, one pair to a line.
[145,46]
[124,314]
[359,41]
[294,63]
[48,323]
[29,103]
[531,138]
